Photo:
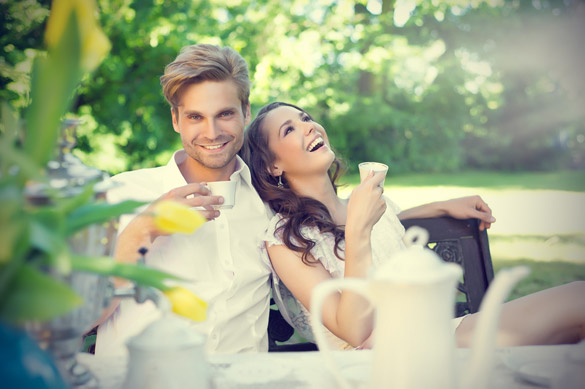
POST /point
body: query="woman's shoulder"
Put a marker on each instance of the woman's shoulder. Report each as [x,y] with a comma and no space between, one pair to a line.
[322,251]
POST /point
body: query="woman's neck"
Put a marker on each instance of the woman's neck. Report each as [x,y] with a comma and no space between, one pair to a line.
[321,189]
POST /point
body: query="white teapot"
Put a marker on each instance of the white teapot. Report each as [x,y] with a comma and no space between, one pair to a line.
[414,343]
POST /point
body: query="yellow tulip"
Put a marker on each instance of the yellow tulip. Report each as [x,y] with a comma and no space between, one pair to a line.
[171,217]
[94,44]
[186,304]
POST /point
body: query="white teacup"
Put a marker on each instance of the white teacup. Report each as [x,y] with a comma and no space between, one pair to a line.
[227,189]
[367,167]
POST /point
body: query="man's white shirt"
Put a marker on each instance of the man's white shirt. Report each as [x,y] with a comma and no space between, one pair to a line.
[220,261]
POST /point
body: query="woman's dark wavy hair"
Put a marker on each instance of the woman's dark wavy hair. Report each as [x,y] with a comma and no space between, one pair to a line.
[298,211]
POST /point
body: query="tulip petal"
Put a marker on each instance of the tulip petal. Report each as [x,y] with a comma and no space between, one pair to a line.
[172,217]
[186,304]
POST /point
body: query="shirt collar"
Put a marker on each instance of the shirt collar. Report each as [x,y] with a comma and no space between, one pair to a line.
[243,171]
[175,178]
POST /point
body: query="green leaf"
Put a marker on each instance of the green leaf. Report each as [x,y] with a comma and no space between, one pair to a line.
[68,205]
[140,274]
[47,235]
[92,213]
[37,296]
[53,82]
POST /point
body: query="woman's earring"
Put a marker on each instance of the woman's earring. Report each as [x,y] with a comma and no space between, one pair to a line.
[280,185]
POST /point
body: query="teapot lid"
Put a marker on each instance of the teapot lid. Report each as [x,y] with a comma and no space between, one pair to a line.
[416,263]
[168,332]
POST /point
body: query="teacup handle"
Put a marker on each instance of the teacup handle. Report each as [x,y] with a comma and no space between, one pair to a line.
[320,292]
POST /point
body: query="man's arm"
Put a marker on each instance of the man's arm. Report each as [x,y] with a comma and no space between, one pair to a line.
[459,208]
[141,232]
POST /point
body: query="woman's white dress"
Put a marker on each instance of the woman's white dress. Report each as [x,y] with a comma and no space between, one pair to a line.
[386,239]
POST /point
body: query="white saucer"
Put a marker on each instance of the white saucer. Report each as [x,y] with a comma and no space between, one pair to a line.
[251,372]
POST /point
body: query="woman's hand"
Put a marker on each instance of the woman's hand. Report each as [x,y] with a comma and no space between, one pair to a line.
[366,205]
[459,208]
[469,207]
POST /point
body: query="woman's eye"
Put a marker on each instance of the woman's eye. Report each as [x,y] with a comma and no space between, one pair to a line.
[306,118]
[287,130]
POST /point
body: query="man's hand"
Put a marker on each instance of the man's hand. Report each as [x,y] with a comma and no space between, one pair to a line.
[470,207]
[141,231]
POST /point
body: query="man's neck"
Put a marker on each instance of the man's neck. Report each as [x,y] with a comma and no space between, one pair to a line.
[193,171]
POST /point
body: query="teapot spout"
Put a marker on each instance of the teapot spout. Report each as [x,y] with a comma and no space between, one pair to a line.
[478,373]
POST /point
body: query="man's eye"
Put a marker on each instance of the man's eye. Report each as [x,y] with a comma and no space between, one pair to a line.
[194,117]
[226,114]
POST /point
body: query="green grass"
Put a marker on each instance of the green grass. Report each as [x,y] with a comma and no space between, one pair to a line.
[555,258]
[562,180]
[543,275]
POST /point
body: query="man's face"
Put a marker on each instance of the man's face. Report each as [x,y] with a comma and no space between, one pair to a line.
[211,124]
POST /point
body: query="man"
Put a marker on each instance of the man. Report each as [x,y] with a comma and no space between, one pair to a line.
[208,89]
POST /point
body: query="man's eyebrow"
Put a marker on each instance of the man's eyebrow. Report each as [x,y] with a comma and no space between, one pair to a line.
[193,112]
[190,112]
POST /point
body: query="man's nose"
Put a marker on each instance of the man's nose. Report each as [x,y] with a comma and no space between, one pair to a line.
[211,130]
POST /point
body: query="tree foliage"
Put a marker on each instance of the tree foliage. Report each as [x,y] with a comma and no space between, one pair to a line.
[420,85]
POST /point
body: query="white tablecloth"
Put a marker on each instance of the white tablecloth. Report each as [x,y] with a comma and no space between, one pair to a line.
[306,369]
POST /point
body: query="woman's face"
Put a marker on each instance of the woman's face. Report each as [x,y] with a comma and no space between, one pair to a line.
[299,144]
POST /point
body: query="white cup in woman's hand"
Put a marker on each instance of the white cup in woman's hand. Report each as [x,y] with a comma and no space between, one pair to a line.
[367,167]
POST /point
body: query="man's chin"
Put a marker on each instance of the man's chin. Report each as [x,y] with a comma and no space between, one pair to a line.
[215,163]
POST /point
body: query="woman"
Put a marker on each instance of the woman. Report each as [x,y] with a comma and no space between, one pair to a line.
[316,235]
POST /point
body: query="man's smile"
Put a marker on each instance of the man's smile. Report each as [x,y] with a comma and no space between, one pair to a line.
[214,147]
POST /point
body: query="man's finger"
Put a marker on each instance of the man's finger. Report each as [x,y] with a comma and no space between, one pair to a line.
[208,214]
[202,201]
[197,189]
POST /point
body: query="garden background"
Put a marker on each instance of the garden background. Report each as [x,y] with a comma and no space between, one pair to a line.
[457,96]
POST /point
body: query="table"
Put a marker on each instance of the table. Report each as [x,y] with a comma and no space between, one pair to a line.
[306,369]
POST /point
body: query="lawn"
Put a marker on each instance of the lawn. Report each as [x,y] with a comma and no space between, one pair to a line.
[540,217]
[573,180]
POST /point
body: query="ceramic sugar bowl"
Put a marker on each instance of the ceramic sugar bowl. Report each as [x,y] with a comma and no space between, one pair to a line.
[168,354]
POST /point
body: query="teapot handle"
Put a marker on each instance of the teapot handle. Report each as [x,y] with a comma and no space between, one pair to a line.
[320,292]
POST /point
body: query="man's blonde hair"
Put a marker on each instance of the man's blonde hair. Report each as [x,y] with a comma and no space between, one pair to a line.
[202,62]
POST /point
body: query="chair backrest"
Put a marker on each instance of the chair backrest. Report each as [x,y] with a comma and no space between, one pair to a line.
[462,242]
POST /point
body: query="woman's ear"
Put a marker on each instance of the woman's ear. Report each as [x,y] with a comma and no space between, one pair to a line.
[275,171]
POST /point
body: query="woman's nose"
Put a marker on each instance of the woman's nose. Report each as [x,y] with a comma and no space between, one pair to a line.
[309,128]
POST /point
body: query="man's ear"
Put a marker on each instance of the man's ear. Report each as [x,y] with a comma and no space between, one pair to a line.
[174,114]
[248,114]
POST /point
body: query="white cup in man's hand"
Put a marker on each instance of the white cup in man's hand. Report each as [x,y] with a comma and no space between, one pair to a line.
[367,167]
[226,189]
